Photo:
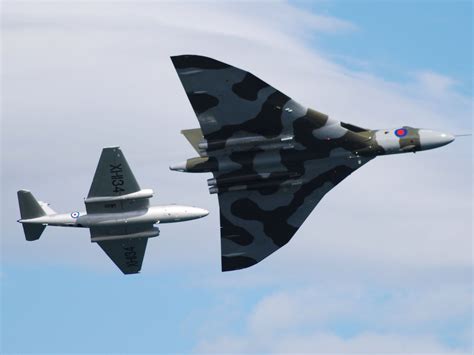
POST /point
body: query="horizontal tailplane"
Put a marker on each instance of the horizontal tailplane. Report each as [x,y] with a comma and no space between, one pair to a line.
[33,231]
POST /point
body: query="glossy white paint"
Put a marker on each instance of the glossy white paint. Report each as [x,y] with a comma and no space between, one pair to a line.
[155,214]
[387,139]
[431,139]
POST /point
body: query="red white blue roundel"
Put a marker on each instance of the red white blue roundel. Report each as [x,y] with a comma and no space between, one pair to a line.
[75,214]
[401,132]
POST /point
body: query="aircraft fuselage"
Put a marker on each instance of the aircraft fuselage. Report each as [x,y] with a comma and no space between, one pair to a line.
[333,141]
[154,214]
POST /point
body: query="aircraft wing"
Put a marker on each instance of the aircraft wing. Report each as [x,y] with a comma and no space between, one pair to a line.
[257,222]
[275,159]
[125,245]
[231,102]
[113,178]
[126,254]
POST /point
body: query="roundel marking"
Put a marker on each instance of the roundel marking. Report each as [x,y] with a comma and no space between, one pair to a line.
[75,214]
[401,132]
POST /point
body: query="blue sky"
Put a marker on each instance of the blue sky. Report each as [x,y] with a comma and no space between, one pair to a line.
[396,38]
[384,262]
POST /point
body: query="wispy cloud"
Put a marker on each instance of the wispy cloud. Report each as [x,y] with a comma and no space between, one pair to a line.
[328,343]
[81,76]
[349,318]
[434,82]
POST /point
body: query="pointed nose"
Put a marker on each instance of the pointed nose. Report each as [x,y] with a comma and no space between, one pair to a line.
[432,139]
[200,212]
[204,212]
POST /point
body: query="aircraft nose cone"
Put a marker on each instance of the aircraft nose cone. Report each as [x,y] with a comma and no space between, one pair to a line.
[199,212]
[449,138]
[432,139]
[203,212]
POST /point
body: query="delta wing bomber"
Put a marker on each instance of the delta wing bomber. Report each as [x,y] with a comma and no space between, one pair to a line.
[272,159]
[118,213]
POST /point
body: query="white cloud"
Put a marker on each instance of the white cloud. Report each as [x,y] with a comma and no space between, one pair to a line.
[434,82]
[77,77]
[326,343]
[334,318]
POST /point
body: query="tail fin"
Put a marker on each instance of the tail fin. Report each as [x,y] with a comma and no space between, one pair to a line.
[30,208]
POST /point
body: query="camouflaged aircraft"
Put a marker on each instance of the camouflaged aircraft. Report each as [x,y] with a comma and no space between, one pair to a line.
[119,214]
[272,159]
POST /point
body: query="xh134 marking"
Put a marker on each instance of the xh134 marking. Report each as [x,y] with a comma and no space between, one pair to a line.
[117,178]
[118,213]
[272,159]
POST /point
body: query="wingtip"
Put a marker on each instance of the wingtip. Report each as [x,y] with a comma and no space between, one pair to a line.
[196,61]
[237,262]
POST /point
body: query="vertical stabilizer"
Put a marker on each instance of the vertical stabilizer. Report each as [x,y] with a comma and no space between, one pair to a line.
[30,208]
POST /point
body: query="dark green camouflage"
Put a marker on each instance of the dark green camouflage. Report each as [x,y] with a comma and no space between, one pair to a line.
[272,159]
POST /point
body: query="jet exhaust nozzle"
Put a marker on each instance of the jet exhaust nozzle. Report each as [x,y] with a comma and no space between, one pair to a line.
[196,165]
[179,167]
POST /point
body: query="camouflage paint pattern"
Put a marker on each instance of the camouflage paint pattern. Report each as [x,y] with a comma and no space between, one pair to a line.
[272,159]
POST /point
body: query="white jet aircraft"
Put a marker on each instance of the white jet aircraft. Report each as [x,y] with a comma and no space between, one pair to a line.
[118,215]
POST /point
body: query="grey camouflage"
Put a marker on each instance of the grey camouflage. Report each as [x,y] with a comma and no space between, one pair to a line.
[272,159]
